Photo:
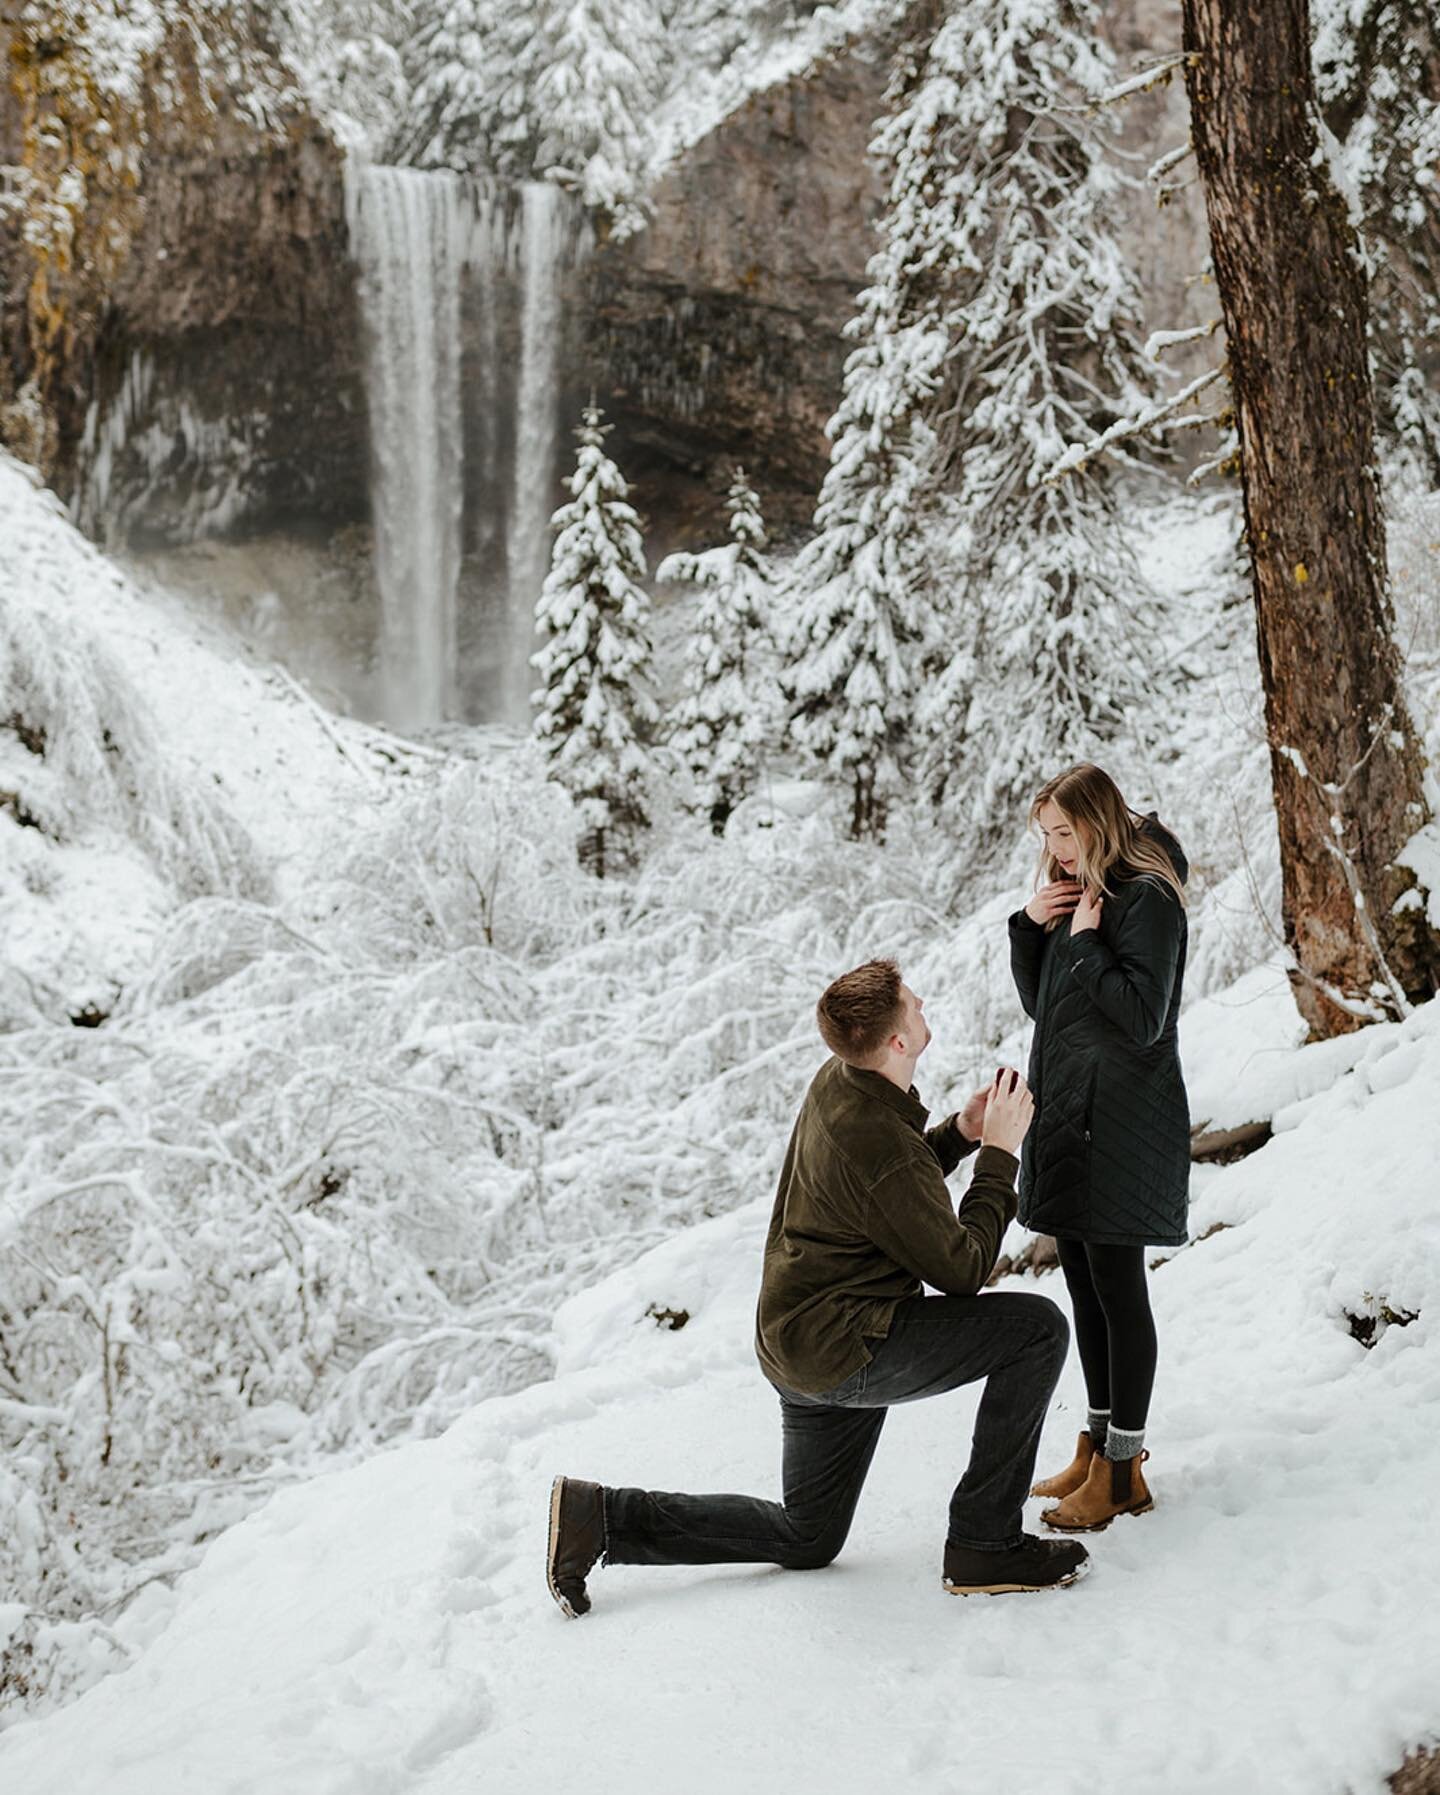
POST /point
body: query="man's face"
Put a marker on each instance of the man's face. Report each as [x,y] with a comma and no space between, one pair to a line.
[914,1030]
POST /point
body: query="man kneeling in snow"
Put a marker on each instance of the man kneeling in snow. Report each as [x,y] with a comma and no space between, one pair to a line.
[862,1216]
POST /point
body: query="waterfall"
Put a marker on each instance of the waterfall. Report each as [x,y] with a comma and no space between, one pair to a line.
[463,483]
[408,233]
[545,239]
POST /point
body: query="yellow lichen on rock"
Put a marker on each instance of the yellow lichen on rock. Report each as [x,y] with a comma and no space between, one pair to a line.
[96,86]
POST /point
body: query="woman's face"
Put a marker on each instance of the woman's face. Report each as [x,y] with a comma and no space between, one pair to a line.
[1060,838]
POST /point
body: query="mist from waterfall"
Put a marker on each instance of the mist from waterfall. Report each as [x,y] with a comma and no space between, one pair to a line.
[409,234]
[462,294]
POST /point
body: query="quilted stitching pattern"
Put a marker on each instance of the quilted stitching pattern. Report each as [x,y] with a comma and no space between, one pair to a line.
[1108,1155]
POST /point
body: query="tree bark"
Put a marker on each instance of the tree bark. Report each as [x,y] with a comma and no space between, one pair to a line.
[1345,763]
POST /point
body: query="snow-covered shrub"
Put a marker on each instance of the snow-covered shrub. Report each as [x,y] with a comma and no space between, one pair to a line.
[481,856]
[77,740]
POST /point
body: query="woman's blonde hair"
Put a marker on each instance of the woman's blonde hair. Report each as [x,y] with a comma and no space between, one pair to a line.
[1108,837]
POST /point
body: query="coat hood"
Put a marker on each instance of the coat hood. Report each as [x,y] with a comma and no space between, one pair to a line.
[1155,830]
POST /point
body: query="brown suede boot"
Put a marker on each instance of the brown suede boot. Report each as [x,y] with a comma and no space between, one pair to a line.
[1112,1487]
[1074,1474]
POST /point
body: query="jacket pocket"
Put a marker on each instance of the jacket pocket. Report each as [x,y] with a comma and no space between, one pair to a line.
[1088,1119]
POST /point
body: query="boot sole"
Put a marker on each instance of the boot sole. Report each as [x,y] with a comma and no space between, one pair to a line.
[552,1545]
[1139,1508]
[1015,1589]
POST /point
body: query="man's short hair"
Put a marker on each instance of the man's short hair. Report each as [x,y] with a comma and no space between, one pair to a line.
[860,1011]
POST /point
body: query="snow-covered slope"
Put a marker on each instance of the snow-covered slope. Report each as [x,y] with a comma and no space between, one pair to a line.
[1272,1625]
[209,747]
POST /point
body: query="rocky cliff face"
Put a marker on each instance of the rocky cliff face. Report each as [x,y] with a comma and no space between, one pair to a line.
[182,340]
[717,330]
[180,323]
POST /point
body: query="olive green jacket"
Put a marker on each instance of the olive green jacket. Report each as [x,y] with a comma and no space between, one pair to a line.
[861,1218]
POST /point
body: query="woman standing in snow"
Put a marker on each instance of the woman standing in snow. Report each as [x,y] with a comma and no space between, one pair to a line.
[1098,956]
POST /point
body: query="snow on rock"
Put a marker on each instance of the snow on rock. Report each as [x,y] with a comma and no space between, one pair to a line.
[385,1630]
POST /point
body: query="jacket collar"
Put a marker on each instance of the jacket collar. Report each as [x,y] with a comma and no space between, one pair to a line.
[906,1104]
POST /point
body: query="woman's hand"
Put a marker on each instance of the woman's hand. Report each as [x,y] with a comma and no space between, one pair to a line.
[1087,912]
[1058,898]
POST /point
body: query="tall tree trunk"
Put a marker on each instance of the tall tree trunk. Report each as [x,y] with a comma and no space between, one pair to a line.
[1344,760]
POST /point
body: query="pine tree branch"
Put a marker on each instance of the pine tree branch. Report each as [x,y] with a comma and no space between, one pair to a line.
[1171,159]
[1081,454]
[1161,340]
[1159,76]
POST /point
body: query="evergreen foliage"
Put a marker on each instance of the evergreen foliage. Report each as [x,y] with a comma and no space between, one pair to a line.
[597,93]
[593,711]
[472,62]
[719,725]
[1377,73]
[861,609]
[599,78]
[1055,633]
[563,90]
[999,311]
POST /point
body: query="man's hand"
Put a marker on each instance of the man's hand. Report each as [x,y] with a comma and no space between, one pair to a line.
[1009,1111]
[1087,912]
[971,1120]
[1056,899]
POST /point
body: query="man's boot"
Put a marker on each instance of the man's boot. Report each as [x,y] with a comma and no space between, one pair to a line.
[1074,1474]
[1112,1487]
[1033,1564]
[577,1541]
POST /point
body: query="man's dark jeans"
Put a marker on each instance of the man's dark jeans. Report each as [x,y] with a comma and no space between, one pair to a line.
[936,1343]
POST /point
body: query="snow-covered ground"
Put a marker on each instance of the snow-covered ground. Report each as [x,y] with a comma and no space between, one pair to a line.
[386,1630]
[388,1080]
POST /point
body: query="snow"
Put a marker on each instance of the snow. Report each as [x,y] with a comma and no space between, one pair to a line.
[387,1629]
[383,1628]
[222,722]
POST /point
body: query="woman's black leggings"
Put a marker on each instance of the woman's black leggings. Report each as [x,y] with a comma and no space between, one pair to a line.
[1114,1329]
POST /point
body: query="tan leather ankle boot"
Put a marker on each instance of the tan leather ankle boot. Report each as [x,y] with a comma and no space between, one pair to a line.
[1074,1474]
[1111,1487]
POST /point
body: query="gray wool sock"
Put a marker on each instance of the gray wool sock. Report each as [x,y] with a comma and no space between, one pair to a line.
[1097,1425]
[1123,1442]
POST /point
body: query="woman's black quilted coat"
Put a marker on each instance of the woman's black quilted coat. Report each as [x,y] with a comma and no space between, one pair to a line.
[1108,1155]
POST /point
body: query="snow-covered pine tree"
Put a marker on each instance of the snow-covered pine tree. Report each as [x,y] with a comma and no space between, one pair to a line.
[593,709]
[472,64]
[720,724]
[859,606]
[599,80]
[565,89]
[946,589]
[1048,637]
[1377,75]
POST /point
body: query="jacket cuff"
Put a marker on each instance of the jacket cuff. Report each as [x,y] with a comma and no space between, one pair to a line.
[1022,921]
[998,1163]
